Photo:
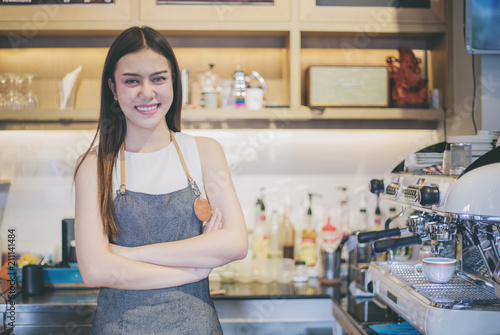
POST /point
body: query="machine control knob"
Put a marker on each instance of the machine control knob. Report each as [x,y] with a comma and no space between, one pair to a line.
[429,195]
[377,186]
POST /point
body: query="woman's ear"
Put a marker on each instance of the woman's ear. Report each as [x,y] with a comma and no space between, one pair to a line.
[111,85]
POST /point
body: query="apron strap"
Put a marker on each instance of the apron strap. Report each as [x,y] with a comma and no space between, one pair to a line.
[172,137]
[122,168]
[191,181]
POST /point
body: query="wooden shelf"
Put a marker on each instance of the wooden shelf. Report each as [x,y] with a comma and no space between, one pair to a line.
[273,118]
[279,41]
[305,118]
[305,114]
[49,115]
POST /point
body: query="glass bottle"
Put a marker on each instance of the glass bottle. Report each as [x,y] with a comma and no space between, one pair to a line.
[287,236]
[329,236]
[261,235]
[308,240]
[275,251]
[363,219]
[238,90]
[344,211]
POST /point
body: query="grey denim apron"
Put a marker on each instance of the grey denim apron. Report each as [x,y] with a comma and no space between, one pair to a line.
[186,309]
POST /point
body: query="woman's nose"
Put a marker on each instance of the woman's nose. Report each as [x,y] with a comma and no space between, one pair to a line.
[147,92]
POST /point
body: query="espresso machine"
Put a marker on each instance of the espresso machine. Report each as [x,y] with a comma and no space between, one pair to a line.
[459,217]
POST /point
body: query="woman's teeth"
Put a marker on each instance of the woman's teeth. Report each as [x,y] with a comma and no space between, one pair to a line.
[148,108]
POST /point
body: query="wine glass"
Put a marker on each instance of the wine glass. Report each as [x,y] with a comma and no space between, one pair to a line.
[30,98]
[3,91]
[19,92]
[10,101]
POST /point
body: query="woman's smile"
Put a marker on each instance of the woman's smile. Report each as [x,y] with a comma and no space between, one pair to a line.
[147,109]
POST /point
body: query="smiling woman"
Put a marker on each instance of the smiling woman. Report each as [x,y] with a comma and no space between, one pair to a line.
[143,88]
[137,234]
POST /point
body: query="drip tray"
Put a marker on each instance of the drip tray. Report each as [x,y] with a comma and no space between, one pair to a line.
[457,291]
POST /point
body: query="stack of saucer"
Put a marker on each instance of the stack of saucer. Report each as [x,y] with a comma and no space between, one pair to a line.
[420,161]
[428,158]
[480,144]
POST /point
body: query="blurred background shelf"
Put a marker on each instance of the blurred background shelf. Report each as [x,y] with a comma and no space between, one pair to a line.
[268,118]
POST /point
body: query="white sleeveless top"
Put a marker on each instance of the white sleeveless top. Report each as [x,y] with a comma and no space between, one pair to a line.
[161,172]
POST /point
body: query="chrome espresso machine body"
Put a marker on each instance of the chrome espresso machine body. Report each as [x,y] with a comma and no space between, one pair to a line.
[460,218]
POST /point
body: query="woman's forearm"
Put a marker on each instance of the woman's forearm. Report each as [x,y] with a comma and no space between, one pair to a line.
[118,272]
[210,250]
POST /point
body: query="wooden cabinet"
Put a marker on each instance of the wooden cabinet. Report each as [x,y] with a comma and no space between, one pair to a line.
[279,41]
[29,21]
[230,17]
[372,18]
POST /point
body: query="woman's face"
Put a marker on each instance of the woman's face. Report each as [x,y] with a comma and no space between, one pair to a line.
[143,87]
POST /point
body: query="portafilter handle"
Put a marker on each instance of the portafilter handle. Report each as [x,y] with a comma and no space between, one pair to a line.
[370,236]
[395,243]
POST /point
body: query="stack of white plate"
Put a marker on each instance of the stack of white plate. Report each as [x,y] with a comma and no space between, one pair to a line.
[428,158]
[480,144]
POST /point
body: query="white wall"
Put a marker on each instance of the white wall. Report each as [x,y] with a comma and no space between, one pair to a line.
[40,165]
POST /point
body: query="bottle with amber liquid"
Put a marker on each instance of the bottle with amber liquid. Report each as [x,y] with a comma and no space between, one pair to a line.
[261,235]
[308,240]
[287,236]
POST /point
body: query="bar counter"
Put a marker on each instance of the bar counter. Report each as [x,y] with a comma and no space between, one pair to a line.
[254,308]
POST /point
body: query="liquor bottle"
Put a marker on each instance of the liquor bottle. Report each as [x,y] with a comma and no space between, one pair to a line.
[287,236]
[261,235]
[275,250]
[308,240]
[344,211]
[329,236]
[363,220]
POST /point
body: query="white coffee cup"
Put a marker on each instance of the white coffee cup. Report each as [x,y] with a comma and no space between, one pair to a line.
[437,269]
[210,99]
[254,98]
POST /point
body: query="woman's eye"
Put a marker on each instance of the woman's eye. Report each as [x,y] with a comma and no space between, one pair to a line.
[131,81]
[159,79]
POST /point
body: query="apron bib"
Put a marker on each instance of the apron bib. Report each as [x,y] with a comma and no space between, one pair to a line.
[186,309]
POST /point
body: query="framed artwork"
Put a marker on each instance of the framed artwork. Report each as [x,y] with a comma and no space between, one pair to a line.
[54,2]
[376,3]
[214,2]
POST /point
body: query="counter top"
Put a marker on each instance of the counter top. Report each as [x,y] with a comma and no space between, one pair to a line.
[61,298]
[329,303]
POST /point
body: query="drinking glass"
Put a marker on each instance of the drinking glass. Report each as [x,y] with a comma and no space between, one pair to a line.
[19,93]
[30,98]
[11,100]
[3,91]
[460,157]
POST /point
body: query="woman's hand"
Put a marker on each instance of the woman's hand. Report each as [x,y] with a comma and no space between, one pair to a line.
[215,222]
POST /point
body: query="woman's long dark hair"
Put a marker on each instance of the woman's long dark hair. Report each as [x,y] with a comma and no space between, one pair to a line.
[111,127]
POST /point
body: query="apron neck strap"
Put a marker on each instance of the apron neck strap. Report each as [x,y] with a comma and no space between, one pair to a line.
[122,163]
[122,168]
[172,137]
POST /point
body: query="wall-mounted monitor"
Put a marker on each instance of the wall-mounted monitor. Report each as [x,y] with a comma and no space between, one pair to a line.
[482,26]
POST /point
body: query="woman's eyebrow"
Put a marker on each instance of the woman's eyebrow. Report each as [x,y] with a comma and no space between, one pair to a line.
[138,75]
